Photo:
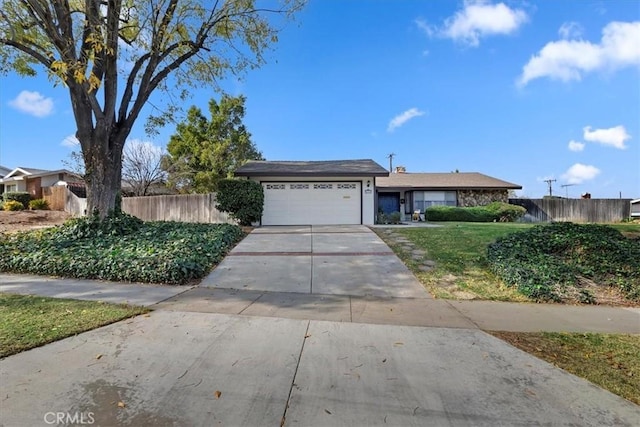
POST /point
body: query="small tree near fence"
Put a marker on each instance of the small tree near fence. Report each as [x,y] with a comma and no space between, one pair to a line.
[242,199]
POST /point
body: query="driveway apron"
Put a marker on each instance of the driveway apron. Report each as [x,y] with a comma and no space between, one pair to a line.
[203,369]
[325,260]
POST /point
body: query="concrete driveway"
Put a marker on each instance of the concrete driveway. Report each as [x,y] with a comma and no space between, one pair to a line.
[204,369]
[327,260]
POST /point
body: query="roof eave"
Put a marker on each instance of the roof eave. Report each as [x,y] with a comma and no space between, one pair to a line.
[308,174]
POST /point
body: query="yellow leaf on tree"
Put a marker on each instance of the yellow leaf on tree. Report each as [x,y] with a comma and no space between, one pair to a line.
[94,82]
[78,76]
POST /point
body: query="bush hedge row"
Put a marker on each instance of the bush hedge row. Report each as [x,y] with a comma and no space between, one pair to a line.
[19,196]
[546,262]
[119,248]
[496,211]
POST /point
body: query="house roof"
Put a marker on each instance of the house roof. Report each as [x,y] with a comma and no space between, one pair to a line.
[445,181]
[4,171]
[361,167]
[20,171]
[33,171]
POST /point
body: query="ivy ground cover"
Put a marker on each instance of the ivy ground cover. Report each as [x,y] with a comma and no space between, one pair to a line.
[122,248]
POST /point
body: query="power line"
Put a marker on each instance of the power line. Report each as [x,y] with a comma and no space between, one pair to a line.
[566,187]
[550,182]
[390,157]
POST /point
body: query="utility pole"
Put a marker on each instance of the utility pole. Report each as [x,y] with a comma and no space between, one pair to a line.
[390,157]
[566,187]
[550,181]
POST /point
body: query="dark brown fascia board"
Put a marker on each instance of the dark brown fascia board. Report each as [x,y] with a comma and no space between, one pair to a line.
[446,188]
[310,174]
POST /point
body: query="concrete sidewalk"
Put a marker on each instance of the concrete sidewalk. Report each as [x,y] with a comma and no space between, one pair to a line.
[93,290]
[486,315]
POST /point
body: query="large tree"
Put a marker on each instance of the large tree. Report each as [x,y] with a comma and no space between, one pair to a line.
[202,151]
[111,55]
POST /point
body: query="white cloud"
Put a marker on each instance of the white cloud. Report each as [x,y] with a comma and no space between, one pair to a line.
[576,146]
[32,103]
[429,30]
[570,30]
[478,19]
[568,60]
[70,141]
[615,136]
[579,173]
[403,118]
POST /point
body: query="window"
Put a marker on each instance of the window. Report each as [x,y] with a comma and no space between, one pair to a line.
[346,186]
[11,188]
[422,200]
[322,186]
[275,186]
[299,186]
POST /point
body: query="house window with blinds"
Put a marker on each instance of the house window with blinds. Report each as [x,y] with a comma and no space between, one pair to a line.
[422,200]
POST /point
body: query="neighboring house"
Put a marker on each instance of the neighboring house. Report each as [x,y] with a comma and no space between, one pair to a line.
[316,192]
[31,180]
[3,172]
[635,208]
[410,192]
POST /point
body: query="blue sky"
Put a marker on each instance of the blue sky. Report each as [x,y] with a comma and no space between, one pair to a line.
[522,91]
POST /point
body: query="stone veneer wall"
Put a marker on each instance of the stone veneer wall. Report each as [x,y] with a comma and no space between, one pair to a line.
[468,198]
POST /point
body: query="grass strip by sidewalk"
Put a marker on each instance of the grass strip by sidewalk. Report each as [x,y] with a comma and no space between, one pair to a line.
[28,321]
[611,361]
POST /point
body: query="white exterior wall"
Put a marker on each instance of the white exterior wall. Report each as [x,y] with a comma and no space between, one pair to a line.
[21,186]
[368,193]
[49,180]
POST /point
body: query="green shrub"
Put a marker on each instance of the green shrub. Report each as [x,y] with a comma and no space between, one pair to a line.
[394,217]
[22,197]
[452,213]
[547,261]
[12,205]
[155,252]
[39,204]
[494,212]
[242,199]
[505,212]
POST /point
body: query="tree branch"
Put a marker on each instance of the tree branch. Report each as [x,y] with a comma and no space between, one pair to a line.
[34,54]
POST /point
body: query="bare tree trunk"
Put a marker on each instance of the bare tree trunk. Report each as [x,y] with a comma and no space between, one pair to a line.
[103,162]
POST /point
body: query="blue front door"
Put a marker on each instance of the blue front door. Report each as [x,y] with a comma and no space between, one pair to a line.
[389,202]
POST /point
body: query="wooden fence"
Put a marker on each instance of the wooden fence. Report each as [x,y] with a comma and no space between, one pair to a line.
[183,208]
[55,197]
[576,210]
[60,198]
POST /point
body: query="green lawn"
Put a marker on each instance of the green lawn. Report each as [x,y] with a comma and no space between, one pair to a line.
[610,361]
[31,321]
[459,250]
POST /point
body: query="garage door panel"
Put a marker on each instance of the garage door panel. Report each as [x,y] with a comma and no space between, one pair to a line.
[299,203]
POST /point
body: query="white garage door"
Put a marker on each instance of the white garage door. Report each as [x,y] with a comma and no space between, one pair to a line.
[301,203]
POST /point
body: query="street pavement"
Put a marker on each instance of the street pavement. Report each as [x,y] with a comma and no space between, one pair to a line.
[344,349]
